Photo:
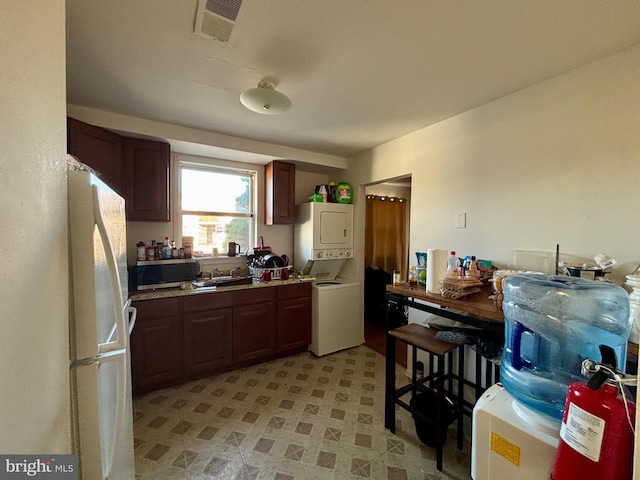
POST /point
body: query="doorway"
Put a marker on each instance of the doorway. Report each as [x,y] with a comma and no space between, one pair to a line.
[386,249]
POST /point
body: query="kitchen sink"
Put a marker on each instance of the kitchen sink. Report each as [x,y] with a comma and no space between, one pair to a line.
[225,281]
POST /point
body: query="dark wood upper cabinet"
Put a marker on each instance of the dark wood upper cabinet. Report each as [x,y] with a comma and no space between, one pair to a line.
[146,179]
[98,148]
[137,169]
[280,186]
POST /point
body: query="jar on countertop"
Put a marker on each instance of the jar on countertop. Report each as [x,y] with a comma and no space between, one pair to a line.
[413,276]
[141,251]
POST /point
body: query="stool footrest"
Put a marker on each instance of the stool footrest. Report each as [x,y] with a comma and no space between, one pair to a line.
[431,429]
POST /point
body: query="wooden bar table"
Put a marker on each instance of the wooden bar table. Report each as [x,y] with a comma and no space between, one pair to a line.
[477,310]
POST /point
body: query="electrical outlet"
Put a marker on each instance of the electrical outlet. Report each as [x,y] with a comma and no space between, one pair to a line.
[461,220]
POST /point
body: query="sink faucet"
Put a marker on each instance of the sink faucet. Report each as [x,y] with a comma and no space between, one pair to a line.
[216,272]
[235,272]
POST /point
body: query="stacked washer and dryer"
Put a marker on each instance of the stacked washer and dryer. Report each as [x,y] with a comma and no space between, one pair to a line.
[323,239]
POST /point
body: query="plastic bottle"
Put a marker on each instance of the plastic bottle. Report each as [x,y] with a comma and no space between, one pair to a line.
[159,251]
[551,325]
[323,191]
[452,265]
[166,252]
[150,251]
[413,276]
[332,192]
[473,268]
[187,244]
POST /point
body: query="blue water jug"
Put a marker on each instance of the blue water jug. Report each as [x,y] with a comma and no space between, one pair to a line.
[552,323]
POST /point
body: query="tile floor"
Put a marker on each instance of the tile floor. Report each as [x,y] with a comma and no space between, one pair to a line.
[376,338]
[300,417]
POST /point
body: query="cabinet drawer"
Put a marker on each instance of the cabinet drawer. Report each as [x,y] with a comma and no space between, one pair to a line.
[208,301]
[251,296]
[162,307]
[294,290]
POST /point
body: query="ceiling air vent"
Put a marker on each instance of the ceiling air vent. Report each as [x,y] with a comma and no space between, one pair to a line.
[216,18]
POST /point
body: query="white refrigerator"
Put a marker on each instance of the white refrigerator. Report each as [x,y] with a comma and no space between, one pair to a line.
[101,322]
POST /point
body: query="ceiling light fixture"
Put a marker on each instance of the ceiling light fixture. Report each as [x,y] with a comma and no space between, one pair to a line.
[265,99]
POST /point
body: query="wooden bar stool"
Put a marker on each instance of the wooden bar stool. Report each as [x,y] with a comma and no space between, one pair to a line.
[440,380]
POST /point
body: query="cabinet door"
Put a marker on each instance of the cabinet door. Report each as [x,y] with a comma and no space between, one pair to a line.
[156,345]
[280,186]
[294,324]
[146,180]
[98,148]
[207,340]
[254,331]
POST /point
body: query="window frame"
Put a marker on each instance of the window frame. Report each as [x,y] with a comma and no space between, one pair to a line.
[211,165]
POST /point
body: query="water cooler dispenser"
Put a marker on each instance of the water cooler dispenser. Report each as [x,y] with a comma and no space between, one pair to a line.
[551,325]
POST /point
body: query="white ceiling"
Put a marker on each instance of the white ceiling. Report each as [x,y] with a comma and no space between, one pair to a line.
[359,72]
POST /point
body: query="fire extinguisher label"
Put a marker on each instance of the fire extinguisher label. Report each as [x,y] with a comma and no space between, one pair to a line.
[583,431]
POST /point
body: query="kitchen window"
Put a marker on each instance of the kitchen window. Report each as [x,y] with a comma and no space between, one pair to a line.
[216,207]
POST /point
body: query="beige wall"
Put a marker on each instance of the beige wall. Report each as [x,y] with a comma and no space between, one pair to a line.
[555,163]
[34,345]
[558,162]
[306,183]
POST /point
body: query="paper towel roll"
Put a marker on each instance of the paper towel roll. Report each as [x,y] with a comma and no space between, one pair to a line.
[436,268]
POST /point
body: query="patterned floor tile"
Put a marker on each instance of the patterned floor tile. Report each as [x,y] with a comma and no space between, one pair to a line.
[301,417]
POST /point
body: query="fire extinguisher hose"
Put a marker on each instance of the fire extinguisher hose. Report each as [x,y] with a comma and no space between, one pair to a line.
[604,373]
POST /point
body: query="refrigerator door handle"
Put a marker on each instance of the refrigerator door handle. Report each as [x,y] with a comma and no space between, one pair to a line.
[122,332]
[133,315]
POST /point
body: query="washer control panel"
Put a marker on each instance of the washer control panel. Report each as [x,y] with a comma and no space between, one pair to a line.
[332,253]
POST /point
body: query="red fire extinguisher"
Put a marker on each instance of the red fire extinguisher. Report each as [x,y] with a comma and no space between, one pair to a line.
[597,431]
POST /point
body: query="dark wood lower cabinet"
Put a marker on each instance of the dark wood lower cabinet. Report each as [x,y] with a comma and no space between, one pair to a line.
[254,331]
[294,318]
[181,338]
[156,356]
[207,341]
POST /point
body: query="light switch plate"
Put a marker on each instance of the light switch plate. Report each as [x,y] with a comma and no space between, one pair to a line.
[461,220]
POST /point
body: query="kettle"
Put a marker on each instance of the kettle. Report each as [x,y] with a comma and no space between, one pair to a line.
[233,249]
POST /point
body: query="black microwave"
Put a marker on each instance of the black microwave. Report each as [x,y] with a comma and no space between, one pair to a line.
[151,274]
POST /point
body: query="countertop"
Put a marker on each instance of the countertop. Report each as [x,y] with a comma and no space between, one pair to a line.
[178,292]
[478,304]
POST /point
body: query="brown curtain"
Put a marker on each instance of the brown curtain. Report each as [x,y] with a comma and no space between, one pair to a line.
[385,233]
